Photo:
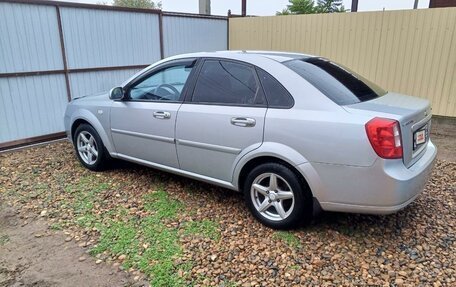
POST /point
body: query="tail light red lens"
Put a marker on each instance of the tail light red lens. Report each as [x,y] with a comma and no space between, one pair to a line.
[385,137]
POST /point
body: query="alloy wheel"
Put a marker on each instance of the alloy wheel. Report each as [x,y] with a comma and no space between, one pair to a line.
[87,147]
[272,196]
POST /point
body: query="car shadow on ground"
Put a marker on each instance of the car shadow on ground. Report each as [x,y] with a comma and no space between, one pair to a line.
[348,224]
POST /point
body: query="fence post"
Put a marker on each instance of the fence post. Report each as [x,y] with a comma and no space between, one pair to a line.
[62,47]
[228,29]
[354,6]
[160,27]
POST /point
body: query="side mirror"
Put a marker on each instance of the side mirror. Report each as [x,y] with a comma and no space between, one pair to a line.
[116,94]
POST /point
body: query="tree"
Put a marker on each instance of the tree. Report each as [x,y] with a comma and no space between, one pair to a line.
[301,7]
[284,11]
[298,7]
[330,6]
[145,4]
[309,7]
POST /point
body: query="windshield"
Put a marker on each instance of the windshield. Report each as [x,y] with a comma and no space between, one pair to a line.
[338,83]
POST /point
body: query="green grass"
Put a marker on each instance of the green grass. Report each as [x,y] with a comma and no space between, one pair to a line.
[148,243]
[3,239]
[119,238]
[229,284]
[130,236]
[159,203]
[345,229]
[89,183]
[85,195]
[295,267]
[205,228]
[38,190]
[289,238]
[56,226]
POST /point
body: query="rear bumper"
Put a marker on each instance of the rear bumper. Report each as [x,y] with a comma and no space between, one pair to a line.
[383,188]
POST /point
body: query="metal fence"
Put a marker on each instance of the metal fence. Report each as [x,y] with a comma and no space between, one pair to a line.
[51,52]
[410,51]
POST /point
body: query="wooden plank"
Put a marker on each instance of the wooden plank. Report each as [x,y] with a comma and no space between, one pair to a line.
[32,140]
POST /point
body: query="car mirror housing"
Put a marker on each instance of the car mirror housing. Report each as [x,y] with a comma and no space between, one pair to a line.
[116,94]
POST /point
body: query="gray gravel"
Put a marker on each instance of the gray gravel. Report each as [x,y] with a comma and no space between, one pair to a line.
[415,247]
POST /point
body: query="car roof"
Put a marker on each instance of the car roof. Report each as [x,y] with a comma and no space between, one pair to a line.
[253,57]
[247,55]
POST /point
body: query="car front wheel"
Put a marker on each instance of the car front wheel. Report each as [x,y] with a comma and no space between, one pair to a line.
[89,148]
[277,197]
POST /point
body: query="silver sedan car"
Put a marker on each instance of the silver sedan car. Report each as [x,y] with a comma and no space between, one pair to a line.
[293,132]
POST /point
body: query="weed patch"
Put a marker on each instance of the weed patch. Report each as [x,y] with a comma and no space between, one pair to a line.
[205,228]
[148,243]
[3,239]
[289,238]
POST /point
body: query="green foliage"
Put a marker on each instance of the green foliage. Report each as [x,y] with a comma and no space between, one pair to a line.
[56,226]
[148,243]
[85,196]
[284,11]
[205,228]
[289,238]
[329,6]
[309,7]
[301,6]
[87,220]
[227,283]
[160,203]
[163,249]
[118,237]
[144,4]
[3,239]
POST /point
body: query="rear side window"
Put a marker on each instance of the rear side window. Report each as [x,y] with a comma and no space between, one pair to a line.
[276,95]
[229,83]
[338,83]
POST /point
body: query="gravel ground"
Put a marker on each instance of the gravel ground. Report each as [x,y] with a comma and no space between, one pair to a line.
[211,239]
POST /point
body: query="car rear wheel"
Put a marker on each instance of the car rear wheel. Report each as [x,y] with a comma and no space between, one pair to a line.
[89,148]
[277,197]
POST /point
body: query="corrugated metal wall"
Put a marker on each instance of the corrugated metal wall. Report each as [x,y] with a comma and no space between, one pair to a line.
[99,81]
[101,38]
[29,41]
[103,46]
[185,35]
[29,38]
[31,106]
[409,51]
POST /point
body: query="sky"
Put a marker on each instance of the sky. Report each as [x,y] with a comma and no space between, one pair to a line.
[270,7]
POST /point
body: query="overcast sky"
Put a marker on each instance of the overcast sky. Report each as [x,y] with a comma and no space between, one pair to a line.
[269,7]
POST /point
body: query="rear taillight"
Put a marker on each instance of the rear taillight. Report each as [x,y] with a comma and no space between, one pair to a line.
[385,137]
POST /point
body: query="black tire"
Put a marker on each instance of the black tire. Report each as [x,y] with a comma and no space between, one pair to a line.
[299,213]
[103,157]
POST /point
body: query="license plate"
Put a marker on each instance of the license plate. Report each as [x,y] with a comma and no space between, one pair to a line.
[420,137]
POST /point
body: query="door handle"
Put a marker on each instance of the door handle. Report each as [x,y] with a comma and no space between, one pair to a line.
[243,122]
[162,115]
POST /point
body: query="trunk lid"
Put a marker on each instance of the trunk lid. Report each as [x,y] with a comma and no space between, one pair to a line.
[413,115]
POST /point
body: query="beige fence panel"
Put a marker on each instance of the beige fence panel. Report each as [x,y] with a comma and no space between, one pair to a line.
[410,51]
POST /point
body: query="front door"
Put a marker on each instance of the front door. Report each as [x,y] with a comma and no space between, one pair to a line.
[142,125]
[223,119]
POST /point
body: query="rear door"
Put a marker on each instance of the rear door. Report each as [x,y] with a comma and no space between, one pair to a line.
[223,117]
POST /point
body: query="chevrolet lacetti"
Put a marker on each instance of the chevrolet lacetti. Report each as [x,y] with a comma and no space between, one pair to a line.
[293,132]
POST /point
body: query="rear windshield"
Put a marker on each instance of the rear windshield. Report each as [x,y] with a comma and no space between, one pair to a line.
[338,83]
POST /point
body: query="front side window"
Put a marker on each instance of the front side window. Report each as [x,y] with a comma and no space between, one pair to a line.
[164,85]
[229,83]
[338,83]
